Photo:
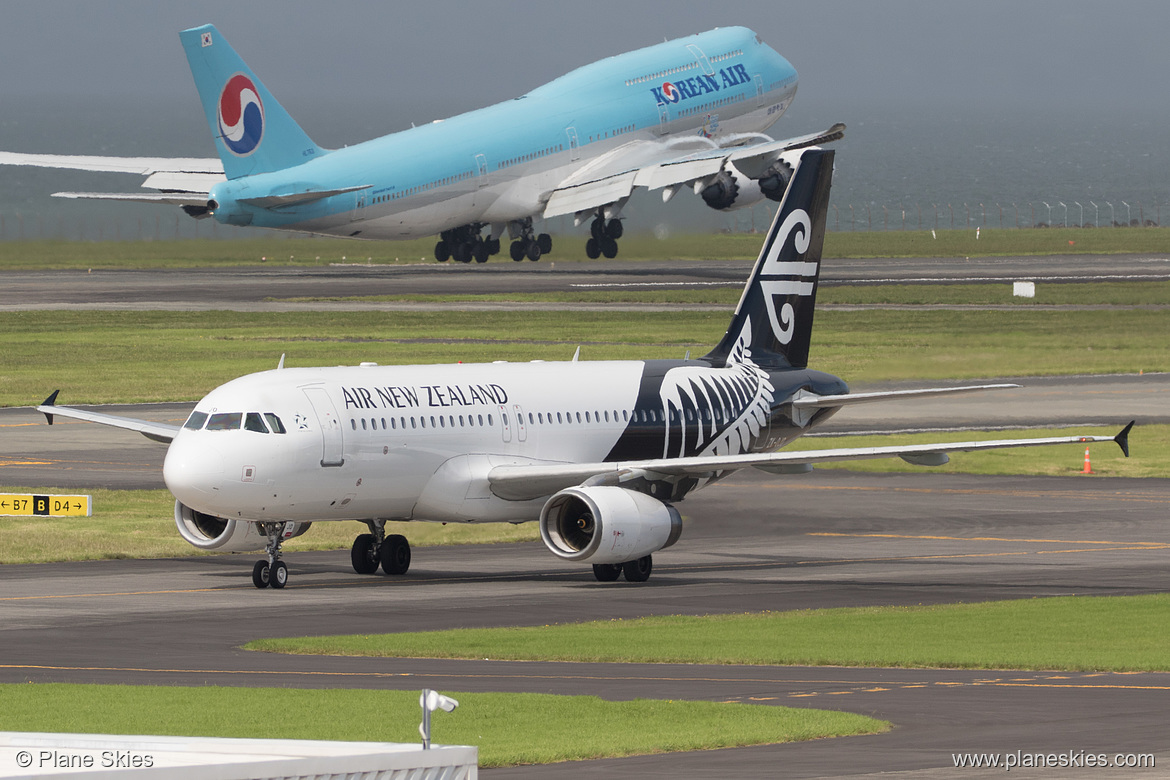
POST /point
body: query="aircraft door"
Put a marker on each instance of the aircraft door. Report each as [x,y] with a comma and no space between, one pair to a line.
[505,423]
[574,143]
[482,166]
[359,205]
[663,119]
[521,429]
[759,90]
[332,441]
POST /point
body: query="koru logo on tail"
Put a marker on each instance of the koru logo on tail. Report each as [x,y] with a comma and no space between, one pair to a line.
[240,115]
[782,279]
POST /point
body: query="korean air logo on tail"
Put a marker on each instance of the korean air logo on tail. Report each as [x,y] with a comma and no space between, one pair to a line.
[240,116]
[780,280]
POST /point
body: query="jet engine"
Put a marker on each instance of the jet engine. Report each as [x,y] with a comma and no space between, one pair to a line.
[208,532]
[607,525]
[731,188]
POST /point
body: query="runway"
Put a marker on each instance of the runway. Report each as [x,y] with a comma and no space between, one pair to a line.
[752,543]
[259,288]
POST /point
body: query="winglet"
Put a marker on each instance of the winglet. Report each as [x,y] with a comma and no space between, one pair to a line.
[1122,438]
[51,400]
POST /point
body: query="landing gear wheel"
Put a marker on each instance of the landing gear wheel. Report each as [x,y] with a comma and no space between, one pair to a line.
[364,554]
[592,249]
[278,575]
[395,554]
[533,250]
[597,228]
[479,251]
[544,241]
[442,251]
[614,229]
[493,246]
[607,572]
[517,251]
[638,570]
[609,247]
[462,253]
[260,574]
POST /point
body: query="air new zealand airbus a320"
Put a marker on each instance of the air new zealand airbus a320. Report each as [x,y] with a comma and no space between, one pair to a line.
[597,452]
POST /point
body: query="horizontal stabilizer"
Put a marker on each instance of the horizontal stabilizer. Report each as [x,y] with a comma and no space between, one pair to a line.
[173,198]
[296,198]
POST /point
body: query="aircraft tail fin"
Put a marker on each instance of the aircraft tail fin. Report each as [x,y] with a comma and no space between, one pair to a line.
[772,325]
[253,133]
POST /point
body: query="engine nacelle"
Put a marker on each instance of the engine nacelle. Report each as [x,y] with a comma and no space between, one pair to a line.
[731,189]
[607,524]
[208,532]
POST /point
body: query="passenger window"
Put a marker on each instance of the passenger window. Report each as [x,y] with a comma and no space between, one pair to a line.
[274,422]
[225,421]
[253,422]
[195,421]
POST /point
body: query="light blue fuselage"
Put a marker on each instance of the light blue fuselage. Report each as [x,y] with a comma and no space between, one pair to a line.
[500,163]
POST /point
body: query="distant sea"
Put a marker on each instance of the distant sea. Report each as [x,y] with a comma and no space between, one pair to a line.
[896,168]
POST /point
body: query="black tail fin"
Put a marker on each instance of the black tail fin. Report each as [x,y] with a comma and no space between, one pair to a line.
[773,322]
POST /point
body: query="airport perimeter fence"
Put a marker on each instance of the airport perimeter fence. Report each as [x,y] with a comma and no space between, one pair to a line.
[849,217]
[869,217]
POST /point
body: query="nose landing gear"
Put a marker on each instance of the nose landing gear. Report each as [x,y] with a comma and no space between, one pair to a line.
[271,572]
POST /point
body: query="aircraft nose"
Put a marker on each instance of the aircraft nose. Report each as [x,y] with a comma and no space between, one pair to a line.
[192,469]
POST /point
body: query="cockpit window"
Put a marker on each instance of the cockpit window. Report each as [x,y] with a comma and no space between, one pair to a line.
[274,422]
[195,421]
[225,421]
[253,422]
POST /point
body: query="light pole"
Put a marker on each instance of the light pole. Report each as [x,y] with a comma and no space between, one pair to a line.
[1049,213]
[1082,208]
[1128,218]
[1096,214]
[1065,212]
[1112,216]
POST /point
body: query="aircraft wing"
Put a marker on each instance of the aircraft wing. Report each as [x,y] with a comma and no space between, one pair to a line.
[525,482]
[804,400]
[183,181]
[156,431]
[656,165]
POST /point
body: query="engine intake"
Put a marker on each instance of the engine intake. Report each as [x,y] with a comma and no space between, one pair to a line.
[209,532]
[607,525]
[731,189]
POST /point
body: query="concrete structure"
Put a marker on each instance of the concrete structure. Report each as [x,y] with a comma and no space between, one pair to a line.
[89,756]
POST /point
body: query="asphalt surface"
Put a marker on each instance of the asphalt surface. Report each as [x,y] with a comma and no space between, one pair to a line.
[753,542]
[261,288]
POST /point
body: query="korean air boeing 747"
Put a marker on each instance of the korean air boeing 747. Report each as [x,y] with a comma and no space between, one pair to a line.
[690,113]
[596,452]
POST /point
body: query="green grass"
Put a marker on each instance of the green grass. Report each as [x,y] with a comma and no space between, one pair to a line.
[296,251]
[116,357]
[1072,633]
[508,728]
[140,524]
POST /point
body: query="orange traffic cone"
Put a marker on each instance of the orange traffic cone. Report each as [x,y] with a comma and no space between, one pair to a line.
[1088,469]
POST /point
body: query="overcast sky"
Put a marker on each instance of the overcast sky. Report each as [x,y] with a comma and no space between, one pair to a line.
[441,57]
[979,101]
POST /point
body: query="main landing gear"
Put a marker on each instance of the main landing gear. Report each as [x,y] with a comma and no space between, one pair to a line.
[527,243]
[636,571]
[604,237]
[271,572]
[464,244]
[376,548]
